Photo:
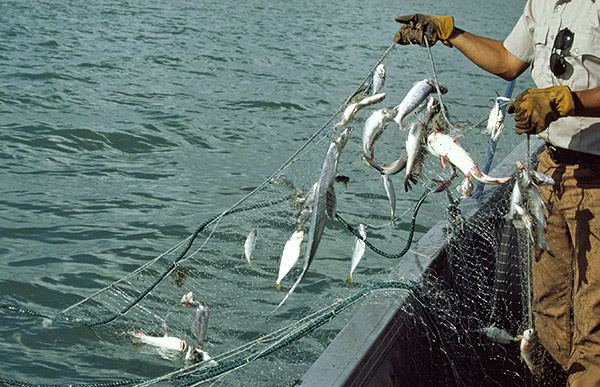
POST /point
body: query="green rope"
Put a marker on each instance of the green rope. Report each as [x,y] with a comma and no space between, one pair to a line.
[147,291]
[325,318]
[411,230]
[233,364]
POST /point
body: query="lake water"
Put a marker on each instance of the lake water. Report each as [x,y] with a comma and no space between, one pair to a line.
[126,124]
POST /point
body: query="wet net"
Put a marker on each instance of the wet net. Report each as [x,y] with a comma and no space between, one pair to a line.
[483,283]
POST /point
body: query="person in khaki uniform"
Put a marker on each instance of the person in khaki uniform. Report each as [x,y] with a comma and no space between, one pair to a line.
[559,41]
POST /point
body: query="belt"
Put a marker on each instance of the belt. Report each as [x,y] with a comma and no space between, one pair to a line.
[571,157]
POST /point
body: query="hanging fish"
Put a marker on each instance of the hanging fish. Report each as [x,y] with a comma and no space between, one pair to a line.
[249,246]
[528,204]
[415,141]
[318,215]
[353,108]
[414,97]
[531,350]
[373,128]
[358,250]
[195,354]
[377,80]
[443,146]
[289,257]
[498,335]
[495,123]
[164,342]
[391,194]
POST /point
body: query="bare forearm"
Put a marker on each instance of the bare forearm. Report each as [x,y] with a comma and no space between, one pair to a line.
[587,102]
[489,54]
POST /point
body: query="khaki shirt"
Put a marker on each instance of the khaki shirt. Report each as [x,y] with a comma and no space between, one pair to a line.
[532,40]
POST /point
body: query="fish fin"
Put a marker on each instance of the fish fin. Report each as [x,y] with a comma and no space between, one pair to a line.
[277,286]
[443,162]
[349,279]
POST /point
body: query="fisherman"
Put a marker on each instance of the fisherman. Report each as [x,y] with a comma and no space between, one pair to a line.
[559,41]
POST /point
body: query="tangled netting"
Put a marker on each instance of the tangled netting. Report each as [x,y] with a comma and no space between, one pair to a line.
[482,282]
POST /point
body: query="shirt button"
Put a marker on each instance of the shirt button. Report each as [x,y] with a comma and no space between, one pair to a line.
[576,51]
[551,37]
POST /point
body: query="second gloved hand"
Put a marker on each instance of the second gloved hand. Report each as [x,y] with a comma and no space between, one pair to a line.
[418,26]
[535,109]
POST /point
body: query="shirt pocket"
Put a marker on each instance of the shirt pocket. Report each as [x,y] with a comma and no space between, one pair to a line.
[584,56]
[541,57]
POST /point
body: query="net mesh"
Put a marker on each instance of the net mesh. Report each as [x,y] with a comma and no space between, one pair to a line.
[483,283]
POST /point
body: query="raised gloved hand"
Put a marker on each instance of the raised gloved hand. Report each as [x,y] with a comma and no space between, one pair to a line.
[535,109]
[419,25]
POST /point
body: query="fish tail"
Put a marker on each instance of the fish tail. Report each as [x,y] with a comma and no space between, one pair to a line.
[277,286]
[349,279]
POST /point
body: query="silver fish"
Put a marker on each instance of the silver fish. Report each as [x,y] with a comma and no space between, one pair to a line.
[533,205]
[200,324]
[358,250]
[373,128]
[289,257]
[165,342]
[317,220]
[353,108]
[249,246]
[495,123]
[531,349]
[391,194]
[414,97]
[377,81]
[443,146]
[393,168]
[498,335]
[415,141]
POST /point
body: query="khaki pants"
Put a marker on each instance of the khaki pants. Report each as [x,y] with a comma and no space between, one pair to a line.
[566,288]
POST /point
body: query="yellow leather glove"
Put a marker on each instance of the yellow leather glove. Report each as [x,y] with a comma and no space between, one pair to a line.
[418,25]
[535,109]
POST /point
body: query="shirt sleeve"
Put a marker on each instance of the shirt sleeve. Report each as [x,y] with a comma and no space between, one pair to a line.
[520,41]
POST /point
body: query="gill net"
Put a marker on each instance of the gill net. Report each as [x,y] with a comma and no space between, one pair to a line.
[484,280]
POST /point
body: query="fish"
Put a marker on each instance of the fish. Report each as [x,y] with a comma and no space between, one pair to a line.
[443,146]
[353,108]
[318,215]
[373,128]
[358,250]
[415,141]
[531,349]
[498,335]
[527,202]
[200,324]
[289,257]
[391,194]
[393,168]
[249,246]
[377,80]
[495,123]
[417,94]
[165,342]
